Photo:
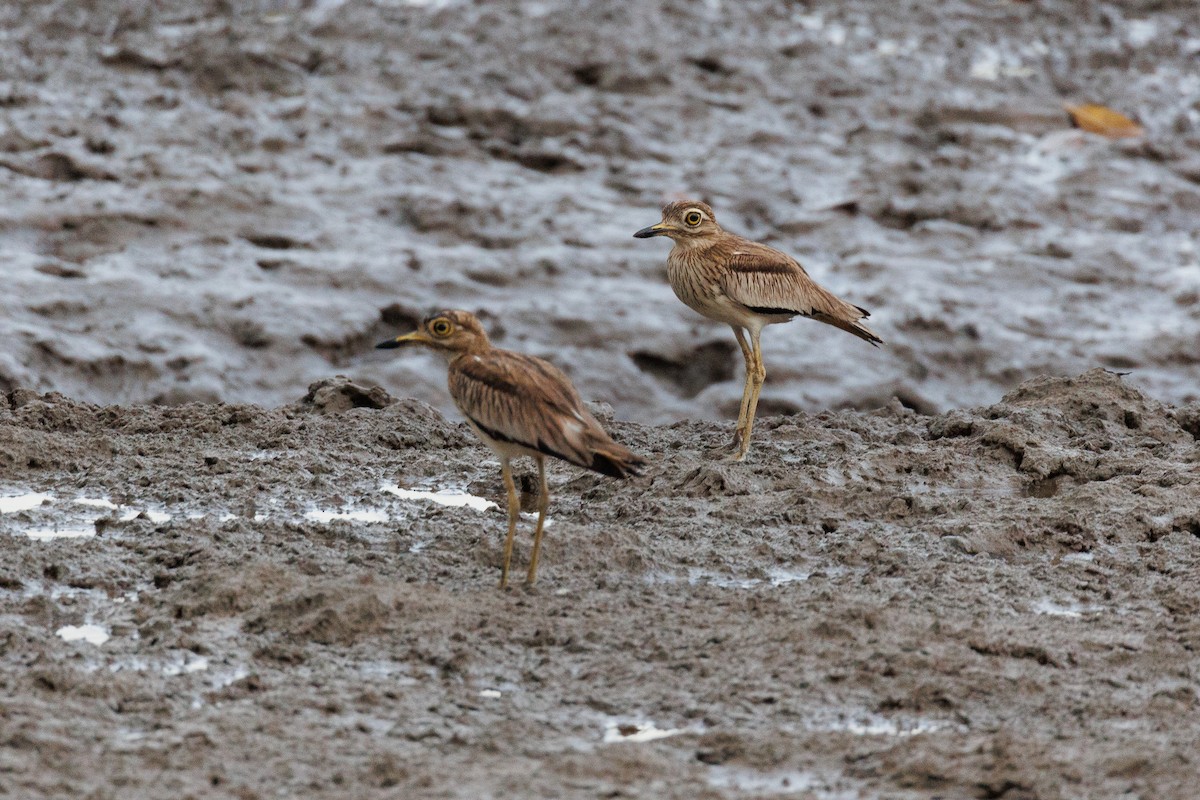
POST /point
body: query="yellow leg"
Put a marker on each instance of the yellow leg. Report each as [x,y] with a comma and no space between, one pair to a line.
[754,380]
[748,356]
[543,504]
[514,507]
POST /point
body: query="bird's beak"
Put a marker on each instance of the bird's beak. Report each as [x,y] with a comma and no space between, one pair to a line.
[654,230]
[416,337]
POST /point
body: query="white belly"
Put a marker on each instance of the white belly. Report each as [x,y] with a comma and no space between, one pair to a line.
[707,298]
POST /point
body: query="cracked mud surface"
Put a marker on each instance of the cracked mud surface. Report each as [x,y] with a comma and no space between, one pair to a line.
[238,593]
[994,602]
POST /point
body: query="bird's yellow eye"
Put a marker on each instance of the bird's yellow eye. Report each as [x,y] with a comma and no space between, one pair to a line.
[692,218]
[440,327]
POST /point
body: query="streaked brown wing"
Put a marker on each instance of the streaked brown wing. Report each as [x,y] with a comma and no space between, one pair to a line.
[770,282]
[527,401]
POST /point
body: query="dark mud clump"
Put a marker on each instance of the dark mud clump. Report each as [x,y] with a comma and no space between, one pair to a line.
[994,602]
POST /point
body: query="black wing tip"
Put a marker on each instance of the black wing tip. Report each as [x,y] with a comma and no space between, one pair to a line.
[872,340]
[617,465]
[767,311]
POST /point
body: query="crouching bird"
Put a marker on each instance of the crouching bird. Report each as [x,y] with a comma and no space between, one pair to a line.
[747,286]
[519,405]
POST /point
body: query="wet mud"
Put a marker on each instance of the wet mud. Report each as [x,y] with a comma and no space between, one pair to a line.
[221,600]
[959,566]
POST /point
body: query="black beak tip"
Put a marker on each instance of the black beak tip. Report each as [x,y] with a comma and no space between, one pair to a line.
[387,345]
[645,233]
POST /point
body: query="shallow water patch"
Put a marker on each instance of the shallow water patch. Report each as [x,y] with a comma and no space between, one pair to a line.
[10,504]
[321,515]
[456,498]
[764,783]
[128,514]
[1070,609]
[63,532]
[870,724]
[774,578]
[66,523]
[175,664]
[88,632]
[626,731]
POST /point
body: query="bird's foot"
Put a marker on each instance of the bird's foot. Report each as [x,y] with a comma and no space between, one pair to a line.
[723,452]
[736,450]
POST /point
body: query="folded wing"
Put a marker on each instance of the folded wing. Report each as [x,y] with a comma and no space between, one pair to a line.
[527,401]
[772,283]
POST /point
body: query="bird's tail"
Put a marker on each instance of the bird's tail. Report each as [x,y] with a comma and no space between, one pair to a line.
[616,460]
[851,326]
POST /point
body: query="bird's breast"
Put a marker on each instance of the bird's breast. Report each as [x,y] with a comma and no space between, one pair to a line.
[695,276]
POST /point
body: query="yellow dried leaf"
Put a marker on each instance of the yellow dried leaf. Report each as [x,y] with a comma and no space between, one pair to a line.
[1104,121]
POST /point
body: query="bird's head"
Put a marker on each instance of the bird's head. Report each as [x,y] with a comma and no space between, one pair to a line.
[450,331]
[685,221]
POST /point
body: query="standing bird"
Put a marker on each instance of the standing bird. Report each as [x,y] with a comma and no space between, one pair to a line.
[748,286]
[519,406]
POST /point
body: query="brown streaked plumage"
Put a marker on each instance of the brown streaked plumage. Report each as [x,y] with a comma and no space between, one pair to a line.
[519,406]
[747,286]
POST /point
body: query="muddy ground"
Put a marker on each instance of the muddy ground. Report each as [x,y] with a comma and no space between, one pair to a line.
[995,602]
[211,588]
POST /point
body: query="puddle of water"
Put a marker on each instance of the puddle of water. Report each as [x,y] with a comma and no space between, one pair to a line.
[775,577]
[47,534]
[78,529]
[750,781]
[1073,610]
[71,594]
[446,497]
[221,680]
[96,502]
[887,727]
[319,515]
[22,502]
[868,724]
[616,731]
[186,665]
[129,514]
[696,576]
[75,528]
[395,673]
[92,634]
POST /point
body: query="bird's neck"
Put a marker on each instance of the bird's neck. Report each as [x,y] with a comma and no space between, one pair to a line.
[477,348]
[693,244]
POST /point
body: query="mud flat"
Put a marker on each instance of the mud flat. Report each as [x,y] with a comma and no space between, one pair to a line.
[223,600]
